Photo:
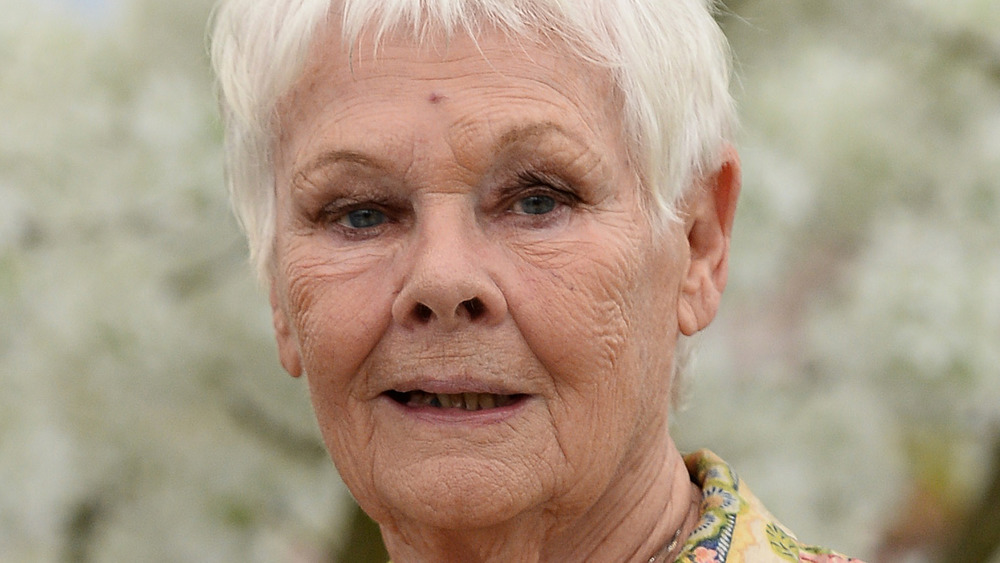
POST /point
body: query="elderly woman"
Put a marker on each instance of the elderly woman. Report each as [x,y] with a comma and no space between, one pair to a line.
[486,226]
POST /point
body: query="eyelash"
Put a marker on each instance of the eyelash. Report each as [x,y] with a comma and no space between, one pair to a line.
[531,182]
[528,183]
[333,213]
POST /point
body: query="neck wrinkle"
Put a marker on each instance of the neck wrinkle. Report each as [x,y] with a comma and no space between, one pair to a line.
[662,509]
[635,519]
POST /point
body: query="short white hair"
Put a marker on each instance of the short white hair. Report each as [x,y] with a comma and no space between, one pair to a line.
[668,58]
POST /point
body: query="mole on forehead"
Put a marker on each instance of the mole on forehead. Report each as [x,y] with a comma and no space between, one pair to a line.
[435,97]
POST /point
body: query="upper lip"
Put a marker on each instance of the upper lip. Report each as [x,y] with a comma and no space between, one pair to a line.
[468,365]
[452,386]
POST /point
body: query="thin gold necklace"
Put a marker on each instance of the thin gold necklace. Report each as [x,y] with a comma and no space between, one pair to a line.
[667,548]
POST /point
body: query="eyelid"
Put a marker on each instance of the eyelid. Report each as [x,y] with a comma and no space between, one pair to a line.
[338,184]
[535,182]
[341,206]
[331,216]
[529,181]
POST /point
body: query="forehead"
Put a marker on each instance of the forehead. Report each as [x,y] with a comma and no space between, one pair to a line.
[454,85]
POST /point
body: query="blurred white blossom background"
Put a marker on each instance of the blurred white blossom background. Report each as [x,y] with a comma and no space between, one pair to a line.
[852,377]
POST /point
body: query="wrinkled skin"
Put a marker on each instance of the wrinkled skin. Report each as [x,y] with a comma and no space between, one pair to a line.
[463,218]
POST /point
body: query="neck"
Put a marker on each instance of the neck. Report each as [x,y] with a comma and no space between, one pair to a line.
[638,515]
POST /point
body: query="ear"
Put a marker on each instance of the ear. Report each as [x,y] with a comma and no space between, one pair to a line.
[709,222]
[288,348]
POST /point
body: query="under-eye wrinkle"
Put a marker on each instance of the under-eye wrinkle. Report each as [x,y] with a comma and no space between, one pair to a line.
[354,219]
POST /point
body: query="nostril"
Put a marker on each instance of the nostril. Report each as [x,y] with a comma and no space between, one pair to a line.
[423,312]
[475,307]
[470,309]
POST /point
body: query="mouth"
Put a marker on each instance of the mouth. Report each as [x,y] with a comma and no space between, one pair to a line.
[465,401]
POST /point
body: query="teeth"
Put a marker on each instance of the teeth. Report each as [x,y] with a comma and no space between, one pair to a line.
[423,399]
[466,401]
[487,401]
[471,401]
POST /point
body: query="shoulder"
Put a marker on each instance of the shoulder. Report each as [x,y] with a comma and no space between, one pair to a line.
[734,526]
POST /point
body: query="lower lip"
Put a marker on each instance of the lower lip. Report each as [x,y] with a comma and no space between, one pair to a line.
[457,416]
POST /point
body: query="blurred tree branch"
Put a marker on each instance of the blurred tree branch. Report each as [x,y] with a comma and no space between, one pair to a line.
[363,542]
[978,538]
[81,528]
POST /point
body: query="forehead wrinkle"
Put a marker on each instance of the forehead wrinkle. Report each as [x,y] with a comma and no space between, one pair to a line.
[591,112]
[466,132]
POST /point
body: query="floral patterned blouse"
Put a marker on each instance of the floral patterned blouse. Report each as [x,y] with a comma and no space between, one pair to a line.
[735,527]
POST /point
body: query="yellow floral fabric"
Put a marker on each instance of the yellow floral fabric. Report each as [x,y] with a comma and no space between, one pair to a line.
[735,527]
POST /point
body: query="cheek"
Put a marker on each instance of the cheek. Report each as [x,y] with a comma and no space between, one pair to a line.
[583,313]
[338,305]
[324,316]
[578,321]
[601,323]
[338,320]
[338,316]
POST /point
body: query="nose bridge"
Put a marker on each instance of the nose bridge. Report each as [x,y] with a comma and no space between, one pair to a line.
[445,228]
[445,233]
[448,281]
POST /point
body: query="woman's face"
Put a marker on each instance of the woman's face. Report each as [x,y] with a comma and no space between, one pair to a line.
[465,273]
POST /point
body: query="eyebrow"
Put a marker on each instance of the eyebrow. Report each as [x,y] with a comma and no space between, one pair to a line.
[513,136]
[334,157]
[521,133]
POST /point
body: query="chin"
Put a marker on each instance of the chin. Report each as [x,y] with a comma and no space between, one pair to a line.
[456,492]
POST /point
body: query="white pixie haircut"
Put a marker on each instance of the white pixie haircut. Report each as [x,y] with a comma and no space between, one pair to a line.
[668,59]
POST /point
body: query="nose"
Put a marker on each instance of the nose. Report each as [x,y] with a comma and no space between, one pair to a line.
[447,283]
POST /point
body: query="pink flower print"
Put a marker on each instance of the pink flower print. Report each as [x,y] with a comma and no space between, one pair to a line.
[704,555]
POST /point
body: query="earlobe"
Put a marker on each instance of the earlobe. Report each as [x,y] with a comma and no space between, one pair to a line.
[710,213]
[288,349]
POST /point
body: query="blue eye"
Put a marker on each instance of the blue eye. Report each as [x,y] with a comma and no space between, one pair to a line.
[535,205]
[363,219]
